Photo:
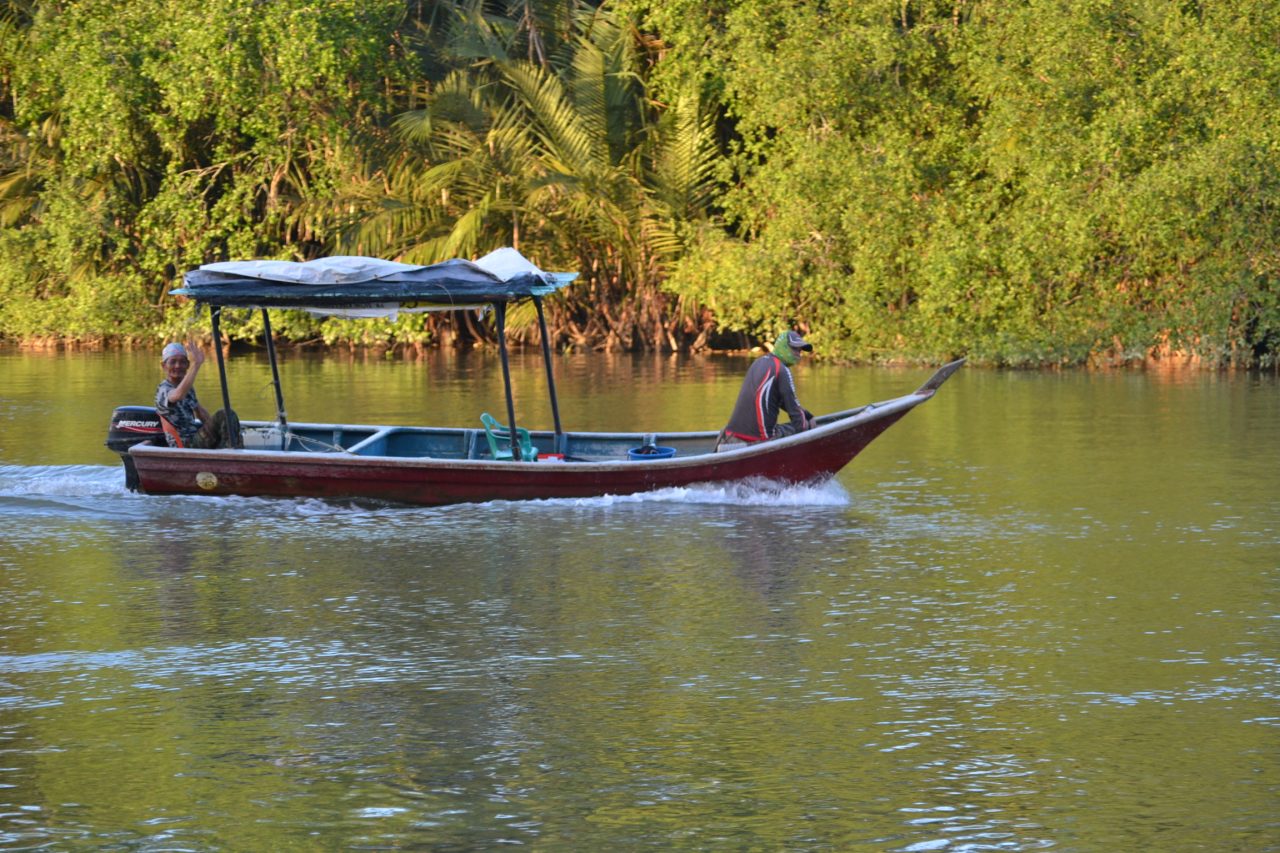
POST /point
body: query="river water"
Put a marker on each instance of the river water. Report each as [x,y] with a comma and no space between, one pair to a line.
[1038,613]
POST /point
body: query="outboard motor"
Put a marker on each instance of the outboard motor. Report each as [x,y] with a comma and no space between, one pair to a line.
[132,425]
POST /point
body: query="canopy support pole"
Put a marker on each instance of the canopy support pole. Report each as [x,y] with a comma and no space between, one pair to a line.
[500,309]
[551,379]
[281,418]
[215,313]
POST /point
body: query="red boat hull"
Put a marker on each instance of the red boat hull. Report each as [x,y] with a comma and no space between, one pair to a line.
[812,456]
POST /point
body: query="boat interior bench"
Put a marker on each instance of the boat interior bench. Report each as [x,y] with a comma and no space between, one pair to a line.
[397,441]
[421,442]
[408,442]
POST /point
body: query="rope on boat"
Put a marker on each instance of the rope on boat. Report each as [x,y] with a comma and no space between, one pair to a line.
[316,444]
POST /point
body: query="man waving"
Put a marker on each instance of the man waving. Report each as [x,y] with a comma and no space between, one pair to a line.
[177,404]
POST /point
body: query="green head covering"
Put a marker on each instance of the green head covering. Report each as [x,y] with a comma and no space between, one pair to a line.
[788,346]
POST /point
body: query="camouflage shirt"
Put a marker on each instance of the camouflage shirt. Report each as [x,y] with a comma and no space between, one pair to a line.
[181,414]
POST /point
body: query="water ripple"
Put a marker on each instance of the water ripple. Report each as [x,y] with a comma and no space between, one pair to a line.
[65,480]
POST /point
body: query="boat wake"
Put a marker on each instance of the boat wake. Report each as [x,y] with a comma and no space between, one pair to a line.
[33,494]
[751,492]
[76,481]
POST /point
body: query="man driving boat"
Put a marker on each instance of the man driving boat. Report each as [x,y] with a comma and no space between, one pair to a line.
[768,389]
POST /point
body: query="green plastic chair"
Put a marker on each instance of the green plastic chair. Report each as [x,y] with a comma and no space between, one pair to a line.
[499,437]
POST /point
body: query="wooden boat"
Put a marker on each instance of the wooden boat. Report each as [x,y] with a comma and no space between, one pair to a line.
[438,465]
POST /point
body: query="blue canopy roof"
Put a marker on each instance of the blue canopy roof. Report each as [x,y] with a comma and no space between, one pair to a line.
[328,285]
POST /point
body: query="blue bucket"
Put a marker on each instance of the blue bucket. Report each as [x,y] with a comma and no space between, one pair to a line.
[650,452]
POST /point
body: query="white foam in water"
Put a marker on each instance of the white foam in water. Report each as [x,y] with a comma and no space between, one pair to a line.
[61,480]
[753,492]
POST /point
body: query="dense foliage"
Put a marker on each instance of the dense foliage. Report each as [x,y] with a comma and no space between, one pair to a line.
[1022,182]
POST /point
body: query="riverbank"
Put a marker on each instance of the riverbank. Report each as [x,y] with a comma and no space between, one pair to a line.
[1157,359]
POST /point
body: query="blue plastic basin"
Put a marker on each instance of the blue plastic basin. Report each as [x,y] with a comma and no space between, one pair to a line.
[650,452]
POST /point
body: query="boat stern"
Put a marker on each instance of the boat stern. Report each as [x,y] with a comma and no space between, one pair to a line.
[131,426]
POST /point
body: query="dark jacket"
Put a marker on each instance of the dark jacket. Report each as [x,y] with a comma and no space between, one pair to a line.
[767,388]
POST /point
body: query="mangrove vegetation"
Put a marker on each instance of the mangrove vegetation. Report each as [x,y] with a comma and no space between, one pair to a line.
[1026,182]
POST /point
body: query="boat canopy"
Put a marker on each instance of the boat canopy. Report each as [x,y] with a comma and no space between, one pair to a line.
[371,286]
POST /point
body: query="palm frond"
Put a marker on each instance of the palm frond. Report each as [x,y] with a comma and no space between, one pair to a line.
[684,158]
[566,141]
[475,36]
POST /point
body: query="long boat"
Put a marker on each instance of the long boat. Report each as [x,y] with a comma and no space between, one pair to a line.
[442,465]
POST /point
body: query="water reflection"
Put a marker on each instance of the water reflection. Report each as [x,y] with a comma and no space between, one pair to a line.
[1036,614]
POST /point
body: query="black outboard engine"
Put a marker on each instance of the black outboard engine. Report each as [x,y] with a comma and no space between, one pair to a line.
[132,425]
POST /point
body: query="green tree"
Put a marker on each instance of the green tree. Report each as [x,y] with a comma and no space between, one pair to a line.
[557,150]
[1022,182]
[157,135]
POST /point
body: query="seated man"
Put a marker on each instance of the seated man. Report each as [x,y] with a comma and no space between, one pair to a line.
[176,403]
[768,388]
